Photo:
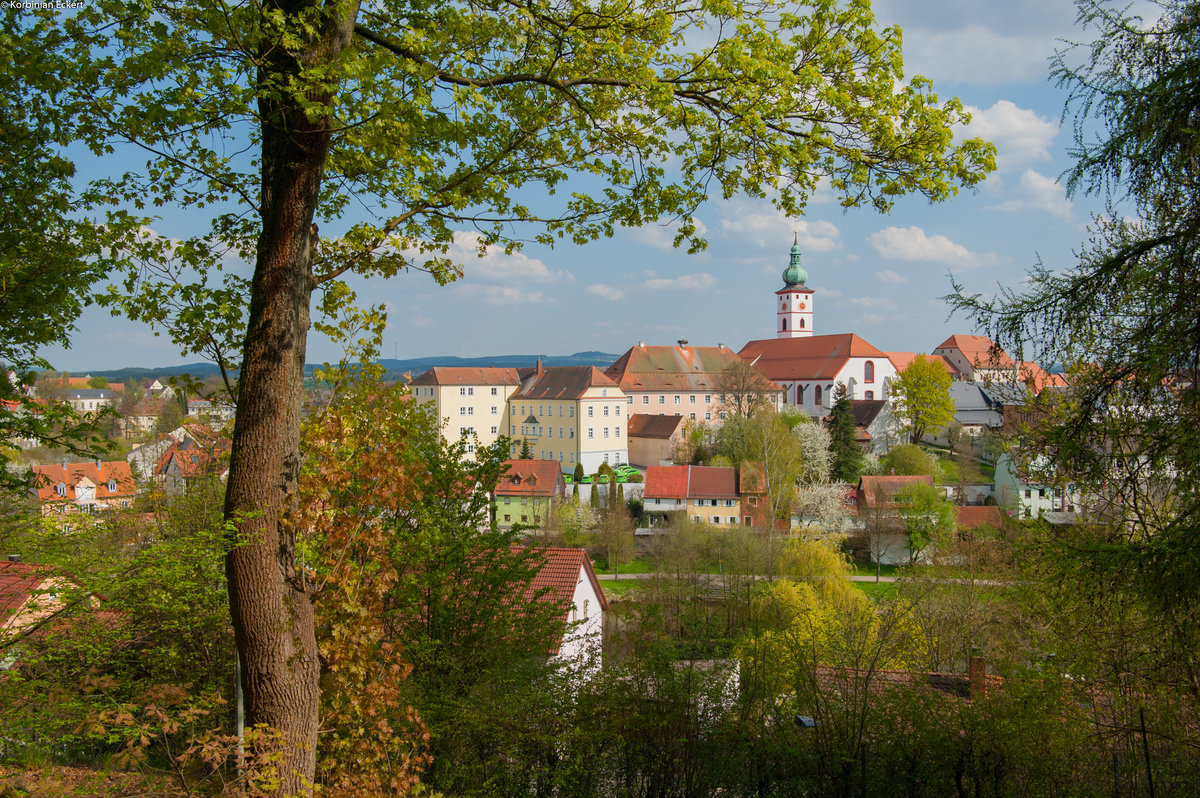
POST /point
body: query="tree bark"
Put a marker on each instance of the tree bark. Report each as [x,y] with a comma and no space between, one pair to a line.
[269,595]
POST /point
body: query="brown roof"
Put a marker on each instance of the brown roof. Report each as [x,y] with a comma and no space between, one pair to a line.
[149,406]
[972,517]
[691,482]
[562,382]
[642,425]
[886,486]
[673,368]
[96,472]
[531,478]
[979,350]
[817,357]
[901,360]
[468,375]
[195,460]
[752,478]
[18,581]
[558,577]
[866,410]
[1037,378]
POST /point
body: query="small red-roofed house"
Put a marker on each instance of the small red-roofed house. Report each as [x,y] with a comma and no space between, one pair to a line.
[972,517]
[30,596]
[978,359]
[83,487]
[527,492]
[567,578]
[703,493]
[879,515]
[654,439]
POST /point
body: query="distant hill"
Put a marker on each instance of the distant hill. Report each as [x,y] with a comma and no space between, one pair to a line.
[395,368]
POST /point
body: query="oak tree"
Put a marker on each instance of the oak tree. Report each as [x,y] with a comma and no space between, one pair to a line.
[281,116]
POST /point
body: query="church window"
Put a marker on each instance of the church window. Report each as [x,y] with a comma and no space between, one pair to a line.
[784,328]
[817,395]
[801,324]
[869,371]
[870,395]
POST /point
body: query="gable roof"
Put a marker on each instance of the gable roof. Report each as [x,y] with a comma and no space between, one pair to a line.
[865,411]
[557,580]
[18,582]
[193,459]
[691,482]
[817,357]
[886,486]
[530,478]
[563,382]
[468,375]
[673,368]
[643,425]
[1037,378]
[96,472]
[901,360]
[979,350]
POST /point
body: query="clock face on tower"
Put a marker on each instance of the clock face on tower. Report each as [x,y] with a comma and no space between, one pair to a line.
[802,306]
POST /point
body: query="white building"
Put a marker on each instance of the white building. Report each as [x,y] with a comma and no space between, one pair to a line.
[469,400]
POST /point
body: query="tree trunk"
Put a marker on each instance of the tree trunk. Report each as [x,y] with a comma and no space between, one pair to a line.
[269,597]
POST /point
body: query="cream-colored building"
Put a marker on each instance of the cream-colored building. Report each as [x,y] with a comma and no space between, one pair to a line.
[572,414]
[469,401]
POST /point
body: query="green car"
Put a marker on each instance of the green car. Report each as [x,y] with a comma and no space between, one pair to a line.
[568,478]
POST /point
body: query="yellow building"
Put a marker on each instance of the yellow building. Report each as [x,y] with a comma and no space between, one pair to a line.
[469,401]
[571,414]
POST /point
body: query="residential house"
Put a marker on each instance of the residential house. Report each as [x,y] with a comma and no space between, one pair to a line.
[878,516]
[653,440]
[527,492]
[157,388]
[974,409]
[143,416]
[89,401]
[193,462]
[83,487]
[978,359]
[30,596]
[876,427]
[211,411]
[568,579]
[808,368]
[471,401]
[572,414]
[681,380]
[901,360]
[969,518]
[702,493]
[1024,490]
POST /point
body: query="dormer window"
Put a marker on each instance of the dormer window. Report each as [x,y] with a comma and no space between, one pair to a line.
[112,486]
[61,489]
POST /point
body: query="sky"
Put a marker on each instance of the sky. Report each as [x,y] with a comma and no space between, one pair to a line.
[880,276]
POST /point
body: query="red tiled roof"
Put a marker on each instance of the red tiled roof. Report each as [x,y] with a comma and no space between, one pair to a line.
[195,460]
[886,487]
[18,581]
[673,368]
[541,478]
[557,579]
[666,482]
[1037,378]
[817,357]
[901,360]
[563,382]
[468,375]
[979,350]
[642,425]
[691,482]
[972,517]
[51,475]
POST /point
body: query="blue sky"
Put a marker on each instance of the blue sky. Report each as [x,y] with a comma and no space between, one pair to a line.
[875,275]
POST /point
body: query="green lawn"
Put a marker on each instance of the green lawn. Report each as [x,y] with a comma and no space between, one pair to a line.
[865,569]
[879,592]
[619,587]
[639,565]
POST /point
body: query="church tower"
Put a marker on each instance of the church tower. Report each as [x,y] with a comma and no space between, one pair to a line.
[794,306]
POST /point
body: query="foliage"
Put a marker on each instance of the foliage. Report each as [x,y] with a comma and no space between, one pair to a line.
[928,518]
[921,396]
[846,458]
[815,456]
[908,459]
[742,390]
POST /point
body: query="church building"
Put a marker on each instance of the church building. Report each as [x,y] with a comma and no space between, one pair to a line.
[808,366]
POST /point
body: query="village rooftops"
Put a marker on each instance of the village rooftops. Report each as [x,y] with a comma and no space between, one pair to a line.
[691,482]
[563,382]
[537,478]
[674,368]
[468,375]
[816,357]
[979,350]
[93,480]
[647,426]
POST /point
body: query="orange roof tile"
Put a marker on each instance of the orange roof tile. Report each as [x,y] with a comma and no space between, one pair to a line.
[673,368]
[96,472]
[817,357]
[541,478]
[901,360]
[557,579]
[973,517]
[979,350]
[874,487]
[691,482]
[642,425]
[563,382]
[18,581]
[468,375]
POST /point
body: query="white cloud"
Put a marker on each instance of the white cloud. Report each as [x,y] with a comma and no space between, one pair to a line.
[1039,193]
[979,54]
[662,236]
[690,282]
[889,276]
[911,243]
[496,266]
[764,226]
[1020,135]
[420,321]
[502,295]
[606,291]
[876,303]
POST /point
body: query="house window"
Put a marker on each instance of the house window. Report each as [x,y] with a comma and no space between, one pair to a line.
[495,430]
[495,392]
[470,448]
[560,411]
[606,410]
[724,415]
[571,411]
[570,432]
[645,400]
[590,413]
[590,434]
[571,455]
[676,398]
[508,518]
[692,399]
[560,432]
[733,519]
[1028,493]
[604,392]
[869,395]
[495,410]
[746,520]
[869,371]
[662,400]
[817,394]
[716,519]
[112,486]
[753,501]
[618,410]
[708,416]
[512,429]
[462,411]
[692,416]
[801,324]
[617,431]
[606,432]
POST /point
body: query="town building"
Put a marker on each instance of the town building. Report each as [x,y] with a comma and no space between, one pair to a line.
[794,305]
[1023,494]
[89,401]
[683,380]
[978,359]
[653,440]
[568,580]
[83,487]
[571,414]
[701,493]
[809,368]
[527,492]
[472,401]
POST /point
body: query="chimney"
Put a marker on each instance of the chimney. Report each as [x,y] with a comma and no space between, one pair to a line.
[539,367]
[99,464]
[642,344]
[64,465]
[14,558]
[682,342]
[977,677]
